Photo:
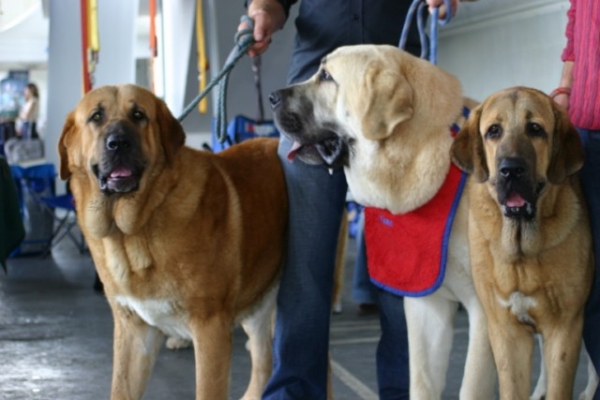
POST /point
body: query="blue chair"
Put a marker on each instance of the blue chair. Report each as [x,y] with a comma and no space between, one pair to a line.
[48,218]
[33,183]
[66,222]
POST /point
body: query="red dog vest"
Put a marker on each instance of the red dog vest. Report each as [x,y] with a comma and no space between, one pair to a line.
[407,253]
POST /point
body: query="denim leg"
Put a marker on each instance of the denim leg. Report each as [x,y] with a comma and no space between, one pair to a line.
[301,343]
[392,352]
[363,291]
[590,174]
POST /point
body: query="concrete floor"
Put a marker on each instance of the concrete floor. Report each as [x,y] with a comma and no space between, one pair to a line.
[56,339]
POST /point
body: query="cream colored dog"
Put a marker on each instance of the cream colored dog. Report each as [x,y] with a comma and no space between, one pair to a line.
[385,117]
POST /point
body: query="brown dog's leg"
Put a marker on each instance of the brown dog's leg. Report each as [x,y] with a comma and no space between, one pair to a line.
[212,350]
[258,328]
[135,349]
[562,345]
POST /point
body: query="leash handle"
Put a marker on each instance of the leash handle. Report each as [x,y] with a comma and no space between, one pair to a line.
[243,41]
[260,115]
[428,45]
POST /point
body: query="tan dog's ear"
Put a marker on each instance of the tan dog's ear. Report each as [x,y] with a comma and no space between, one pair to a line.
[387,101]
[467,149]
[69,125]
[567,151]
[172,136]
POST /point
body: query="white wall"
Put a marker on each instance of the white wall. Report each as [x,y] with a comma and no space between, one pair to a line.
[494,44]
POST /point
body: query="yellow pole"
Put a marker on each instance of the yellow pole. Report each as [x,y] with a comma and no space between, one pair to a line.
[202,59]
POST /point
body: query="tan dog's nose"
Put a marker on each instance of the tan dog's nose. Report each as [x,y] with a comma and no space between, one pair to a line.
[513,168]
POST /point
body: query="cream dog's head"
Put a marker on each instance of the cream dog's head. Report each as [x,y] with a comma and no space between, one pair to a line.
[374,110]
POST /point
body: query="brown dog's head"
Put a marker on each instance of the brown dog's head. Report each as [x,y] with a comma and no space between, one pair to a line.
[116,133]
[517,141]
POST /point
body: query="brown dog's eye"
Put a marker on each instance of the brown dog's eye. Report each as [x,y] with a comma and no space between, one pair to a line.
[494,132]
[96,117]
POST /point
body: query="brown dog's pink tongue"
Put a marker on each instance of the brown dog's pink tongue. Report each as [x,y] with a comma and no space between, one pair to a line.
[515,200]
[292,153]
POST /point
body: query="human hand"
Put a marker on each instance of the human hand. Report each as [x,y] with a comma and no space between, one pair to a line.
[562,99]
[268,17]
[440,3]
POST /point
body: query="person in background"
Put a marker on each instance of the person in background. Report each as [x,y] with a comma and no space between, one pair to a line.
[317,199]
[579,94]
[29,113]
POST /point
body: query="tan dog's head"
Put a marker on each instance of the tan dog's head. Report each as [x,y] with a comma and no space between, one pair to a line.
[517,141]
[117,133]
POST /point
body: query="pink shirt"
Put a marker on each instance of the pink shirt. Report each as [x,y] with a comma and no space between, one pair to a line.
[583,48]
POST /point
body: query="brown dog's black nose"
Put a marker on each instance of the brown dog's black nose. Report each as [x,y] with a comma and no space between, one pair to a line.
[512,168]
[118,141]
[275,99]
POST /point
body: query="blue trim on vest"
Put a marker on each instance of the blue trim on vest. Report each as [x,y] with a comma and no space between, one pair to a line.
[445,243]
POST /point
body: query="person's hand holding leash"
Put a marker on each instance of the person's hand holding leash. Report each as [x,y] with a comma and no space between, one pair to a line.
[440,3]
[269,17]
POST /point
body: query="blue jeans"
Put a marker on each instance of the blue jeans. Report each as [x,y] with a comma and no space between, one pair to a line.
[591,190]
[301,343]
[363,291]
[392,351]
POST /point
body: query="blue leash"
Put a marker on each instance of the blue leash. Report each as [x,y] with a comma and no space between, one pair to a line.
[428,45]
[243,41]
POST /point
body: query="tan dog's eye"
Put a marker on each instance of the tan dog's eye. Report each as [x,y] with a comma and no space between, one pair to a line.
[325,76]
[138,115]
[494,132]
[534,129]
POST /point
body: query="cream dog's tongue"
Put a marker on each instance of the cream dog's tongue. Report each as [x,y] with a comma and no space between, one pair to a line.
[292,153]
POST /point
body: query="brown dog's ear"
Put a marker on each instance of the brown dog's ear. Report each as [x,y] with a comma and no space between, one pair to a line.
[567,151]
[172,136]
[387,100]
[467,149]
[69,125]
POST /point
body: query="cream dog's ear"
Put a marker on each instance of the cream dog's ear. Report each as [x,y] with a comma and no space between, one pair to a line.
[467,149]
[63,153]
[385,100]
[567,151]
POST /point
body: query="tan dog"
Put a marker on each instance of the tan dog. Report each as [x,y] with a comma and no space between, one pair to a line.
[529,234]
[185,241]
[385,116]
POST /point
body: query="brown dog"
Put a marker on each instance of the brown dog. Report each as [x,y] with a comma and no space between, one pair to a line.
[185,241]
[529,236]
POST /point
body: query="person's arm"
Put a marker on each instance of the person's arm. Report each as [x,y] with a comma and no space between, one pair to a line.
[269,17]
[562,92]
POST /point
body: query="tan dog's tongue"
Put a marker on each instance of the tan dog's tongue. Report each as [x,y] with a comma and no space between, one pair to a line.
[515,200]
[120,173]
[292,153]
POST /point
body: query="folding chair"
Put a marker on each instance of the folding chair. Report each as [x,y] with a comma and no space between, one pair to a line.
[33,183]
[66,220]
